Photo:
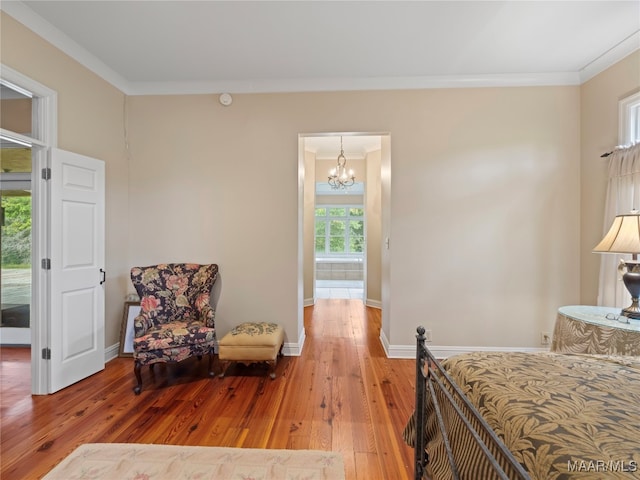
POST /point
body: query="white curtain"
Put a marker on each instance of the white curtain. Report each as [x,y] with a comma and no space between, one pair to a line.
[623,195]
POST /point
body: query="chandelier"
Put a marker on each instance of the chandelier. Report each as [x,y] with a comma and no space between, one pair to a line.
[339,178]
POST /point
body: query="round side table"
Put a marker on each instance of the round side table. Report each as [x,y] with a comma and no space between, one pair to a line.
[597,330]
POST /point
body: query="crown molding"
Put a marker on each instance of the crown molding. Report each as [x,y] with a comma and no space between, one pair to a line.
[34,22]
[299,85]
[610,57]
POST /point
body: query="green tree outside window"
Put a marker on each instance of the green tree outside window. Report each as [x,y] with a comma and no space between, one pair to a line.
[16,230]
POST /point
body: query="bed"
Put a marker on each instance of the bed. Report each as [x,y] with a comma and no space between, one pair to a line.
[514,415]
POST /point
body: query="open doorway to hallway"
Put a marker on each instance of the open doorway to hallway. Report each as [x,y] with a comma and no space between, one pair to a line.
[342,224]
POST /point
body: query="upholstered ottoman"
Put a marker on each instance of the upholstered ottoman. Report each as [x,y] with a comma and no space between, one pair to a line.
[252,342]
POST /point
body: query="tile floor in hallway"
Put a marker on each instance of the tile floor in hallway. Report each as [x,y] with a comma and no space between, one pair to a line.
[353,289]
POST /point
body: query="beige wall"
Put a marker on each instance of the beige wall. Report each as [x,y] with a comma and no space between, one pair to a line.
[484,213]
[599,99]
[484,203]
[90,122]
[483,186]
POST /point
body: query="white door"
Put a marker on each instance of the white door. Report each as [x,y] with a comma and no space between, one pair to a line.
[77,253]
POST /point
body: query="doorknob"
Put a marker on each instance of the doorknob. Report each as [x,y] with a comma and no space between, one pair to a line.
[104,276]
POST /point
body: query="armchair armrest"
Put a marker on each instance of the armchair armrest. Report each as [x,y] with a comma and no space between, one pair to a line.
[141,324]
[207,315]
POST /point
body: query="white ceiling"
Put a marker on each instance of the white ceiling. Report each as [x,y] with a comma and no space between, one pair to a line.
[146,47]
[162,47]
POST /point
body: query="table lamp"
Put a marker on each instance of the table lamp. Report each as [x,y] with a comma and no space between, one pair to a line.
[624,237]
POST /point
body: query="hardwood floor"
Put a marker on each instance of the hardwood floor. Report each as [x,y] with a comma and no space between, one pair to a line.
[342,394]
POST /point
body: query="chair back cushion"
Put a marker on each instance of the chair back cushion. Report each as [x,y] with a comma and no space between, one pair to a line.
[174,291]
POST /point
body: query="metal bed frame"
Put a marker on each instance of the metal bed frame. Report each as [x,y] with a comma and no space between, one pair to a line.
[435,391]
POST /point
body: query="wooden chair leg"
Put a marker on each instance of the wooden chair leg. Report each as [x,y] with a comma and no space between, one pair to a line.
[223,368]
[136,369]
[211,362]
[274,363]
[272,368]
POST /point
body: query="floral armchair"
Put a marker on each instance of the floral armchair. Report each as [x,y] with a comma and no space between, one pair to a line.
[176,319]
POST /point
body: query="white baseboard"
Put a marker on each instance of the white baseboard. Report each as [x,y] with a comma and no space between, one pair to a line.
[385,343]
[446,351]
[374,303]
[290,349]
[309,302]
[111,352]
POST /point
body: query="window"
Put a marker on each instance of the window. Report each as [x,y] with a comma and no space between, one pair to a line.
[623,195]
[629,119]
[339,231]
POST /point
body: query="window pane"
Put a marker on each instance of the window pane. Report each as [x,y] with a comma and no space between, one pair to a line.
[337,227]
[342,227]
[356,227]
[356,244]
[321,228]
[16,231]
[635,123]
[336,244]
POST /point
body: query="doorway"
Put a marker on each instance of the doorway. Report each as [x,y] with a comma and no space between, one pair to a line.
[341,227]
[67,271]
[28,126]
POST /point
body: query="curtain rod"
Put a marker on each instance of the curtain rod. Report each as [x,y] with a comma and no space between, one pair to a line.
[620,147]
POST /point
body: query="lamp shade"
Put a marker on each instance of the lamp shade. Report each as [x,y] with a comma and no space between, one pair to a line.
[623,236]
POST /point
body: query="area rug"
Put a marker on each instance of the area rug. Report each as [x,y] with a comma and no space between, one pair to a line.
[132,461]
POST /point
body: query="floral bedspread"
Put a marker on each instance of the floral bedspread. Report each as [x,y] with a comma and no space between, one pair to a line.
[561,416]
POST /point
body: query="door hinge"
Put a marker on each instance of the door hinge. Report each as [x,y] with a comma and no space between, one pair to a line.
[46,354]
[46,264]
[46,173]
